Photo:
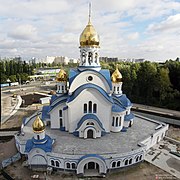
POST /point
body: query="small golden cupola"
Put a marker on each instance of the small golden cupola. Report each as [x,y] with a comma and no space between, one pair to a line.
[116,76]
[89,36]
[38,125]
[61,76]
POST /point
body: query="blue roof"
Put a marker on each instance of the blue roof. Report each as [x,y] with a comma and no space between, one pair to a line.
[55,97]
[56,104]
[46,146]
[122,100]
[129,117]
[86,86]
[45,114]
[89,116]
[103,72]
[117,108]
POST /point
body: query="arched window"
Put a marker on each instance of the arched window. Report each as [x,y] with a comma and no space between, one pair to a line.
[61,122]
[57,164]
[90,106]
[73,166]
[52,163]
[68,165]
[38,137]
[126,162]
[130,161]
[140,158]
[113,121]
[90,123]
[94,108]
[114,164]
[118,89]
[85,108]
[118,163]
[137,158]
[60,113]
[117,122]
[114,88]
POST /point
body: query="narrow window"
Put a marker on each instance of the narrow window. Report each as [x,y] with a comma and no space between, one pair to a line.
[113,121]
[117,122]
[52,163]
[62,88]
[126,162]
[114,164]
[118,163]
[118,89]
[114,88]
[85,108]
[94,108]
[137,158]
[140,158]
[60,113]
[57,164]
[73,165]
[61,122]
[38,137]
[130,161]
[68,165]
[90,106]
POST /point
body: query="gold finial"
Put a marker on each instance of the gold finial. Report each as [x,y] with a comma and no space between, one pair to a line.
[62,76]
[89,36]
[38,125]
[89,22]
[116,76]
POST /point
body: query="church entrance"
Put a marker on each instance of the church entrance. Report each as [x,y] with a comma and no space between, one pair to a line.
[91,168]
[90,133]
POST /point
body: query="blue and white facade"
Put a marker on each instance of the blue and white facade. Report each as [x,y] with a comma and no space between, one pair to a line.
[91,111]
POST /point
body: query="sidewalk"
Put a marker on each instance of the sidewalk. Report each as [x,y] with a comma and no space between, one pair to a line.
[161,158]
[9,109]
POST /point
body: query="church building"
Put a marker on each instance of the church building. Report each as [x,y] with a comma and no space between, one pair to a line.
[88,124]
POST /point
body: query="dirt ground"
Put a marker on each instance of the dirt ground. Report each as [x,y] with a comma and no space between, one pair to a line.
[174,132]
[15,121]
[143,171]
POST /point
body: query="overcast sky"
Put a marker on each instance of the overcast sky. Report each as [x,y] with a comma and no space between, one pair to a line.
[147,29]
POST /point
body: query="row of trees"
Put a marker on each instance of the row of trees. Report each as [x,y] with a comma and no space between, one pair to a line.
[147,83]
[151,83]
[15,70]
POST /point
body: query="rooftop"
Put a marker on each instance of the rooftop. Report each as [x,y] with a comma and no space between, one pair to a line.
[121,142]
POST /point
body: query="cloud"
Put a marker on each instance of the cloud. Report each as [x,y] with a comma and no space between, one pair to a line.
[24,32]
[133,36]
[172,23]
[131,28]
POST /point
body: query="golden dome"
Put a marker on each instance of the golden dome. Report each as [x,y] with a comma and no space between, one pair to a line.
[38,125]
[61,76]
[116,76]
[89,36]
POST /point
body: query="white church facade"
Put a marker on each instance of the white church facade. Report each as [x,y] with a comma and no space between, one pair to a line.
[89,123]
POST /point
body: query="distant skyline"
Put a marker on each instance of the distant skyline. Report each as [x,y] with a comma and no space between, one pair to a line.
[127,29]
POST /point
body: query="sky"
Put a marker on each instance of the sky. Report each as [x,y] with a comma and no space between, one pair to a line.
[147,29]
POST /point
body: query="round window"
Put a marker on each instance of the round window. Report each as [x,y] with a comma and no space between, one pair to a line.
[90,78]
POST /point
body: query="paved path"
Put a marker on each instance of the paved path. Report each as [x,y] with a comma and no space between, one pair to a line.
[8,133]
[157,110]
[163,159]
[9,110]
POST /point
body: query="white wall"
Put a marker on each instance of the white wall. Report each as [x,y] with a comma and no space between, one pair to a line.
[75,108]
[82,79]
